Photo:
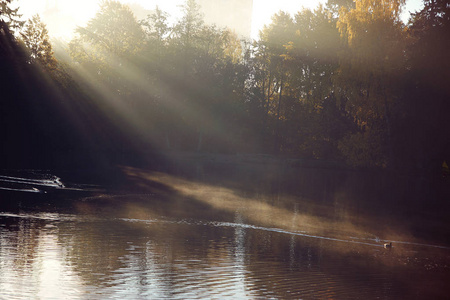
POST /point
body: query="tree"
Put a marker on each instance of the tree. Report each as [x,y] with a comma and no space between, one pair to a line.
[156,57]
[219,83]
[313,61]
[187,31]
[12,56]
[157,26]
[113,30]
[269,76]
[10,16]
[157,31]
[429,32]
[191,22]
[425,141]
[293,64]
[108,42]
[36,39]
[372,61]
[277,35]
[12,66]
[202,57]
[334,6]
[155,50]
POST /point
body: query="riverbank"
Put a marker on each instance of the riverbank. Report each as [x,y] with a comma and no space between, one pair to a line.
[252,159]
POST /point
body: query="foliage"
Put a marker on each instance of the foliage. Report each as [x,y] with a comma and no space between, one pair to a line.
[157,28]
[346,81]
[113,31]
[371,63]
[426,134]
[36,40]
[107,45]
[10,16]
[111,35]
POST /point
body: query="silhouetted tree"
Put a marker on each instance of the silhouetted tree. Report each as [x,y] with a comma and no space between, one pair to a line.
[10,16]
[36,39]
[425,135]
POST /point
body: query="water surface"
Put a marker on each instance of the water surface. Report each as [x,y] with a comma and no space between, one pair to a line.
[234,233]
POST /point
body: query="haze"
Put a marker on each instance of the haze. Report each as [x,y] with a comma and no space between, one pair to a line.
[62,16]
[161,158]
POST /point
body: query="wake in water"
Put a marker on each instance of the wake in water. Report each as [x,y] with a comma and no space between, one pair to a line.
[351,240]
[37,181]
[32,181]
[35,184]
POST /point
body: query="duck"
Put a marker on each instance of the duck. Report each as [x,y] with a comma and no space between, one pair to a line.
[387,245]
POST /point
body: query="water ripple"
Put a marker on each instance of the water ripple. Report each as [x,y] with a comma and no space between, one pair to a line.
[77,218]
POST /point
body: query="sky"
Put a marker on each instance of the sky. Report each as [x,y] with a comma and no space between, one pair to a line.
[62,21]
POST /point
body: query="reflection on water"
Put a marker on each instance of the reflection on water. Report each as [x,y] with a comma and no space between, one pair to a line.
[180,237]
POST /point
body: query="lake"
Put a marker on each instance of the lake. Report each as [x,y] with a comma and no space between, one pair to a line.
[230,231]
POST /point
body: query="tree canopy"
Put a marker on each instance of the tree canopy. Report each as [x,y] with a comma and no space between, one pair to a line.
[347,81]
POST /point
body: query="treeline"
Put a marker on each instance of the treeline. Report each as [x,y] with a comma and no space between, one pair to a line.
[347,81]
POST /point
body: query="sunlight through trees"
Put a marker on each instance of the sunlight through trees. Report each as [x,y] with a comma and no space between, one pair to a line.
[347,82]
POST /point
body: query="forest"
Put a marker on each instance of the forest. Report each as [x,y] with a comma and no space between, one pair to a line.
[347,82]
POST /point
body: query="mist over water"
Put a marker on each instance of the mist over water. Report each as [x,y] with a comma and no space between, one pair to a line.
[159,157]
[228,232]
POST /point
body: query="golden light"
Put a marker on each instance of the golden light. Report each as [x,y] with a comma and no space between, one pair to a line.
[63,16]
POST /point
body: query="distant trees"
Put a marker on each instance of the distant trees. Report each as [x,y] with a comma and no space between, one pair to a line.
[329,83]
[294,63]
[165,76]
[206,62]
[347,81]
